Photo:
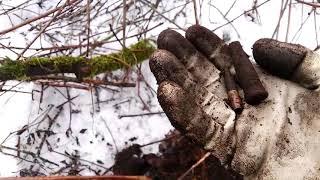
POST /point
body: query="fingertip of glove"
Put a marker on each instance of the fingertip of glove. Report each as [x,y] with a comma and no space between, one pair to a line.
[259,51]
[278,58]
[163,38]
[174,42]
[290,61]
[192,31]
[168,38]
[159,62]
[205,40]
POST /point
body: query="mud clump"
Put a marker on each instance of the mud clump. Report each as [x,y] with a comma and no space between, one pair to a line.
[176,155]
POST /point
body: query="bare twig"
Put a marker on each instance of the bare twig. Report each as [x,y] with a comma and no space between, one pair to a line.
[35,18]
[282,10]
[124,22]
[141,114]
[88,27]
[45,27]
[314,5]
[195,11]
[232,5]
[161,14]
[109,130]
[194,166]
[288,24]
[315,27]
[226,19]
[237,17]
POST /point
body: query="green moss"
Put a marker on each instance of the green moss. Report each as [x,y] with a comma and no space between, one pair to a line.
[11,70]
[125,58]
[54,64]
[67,64]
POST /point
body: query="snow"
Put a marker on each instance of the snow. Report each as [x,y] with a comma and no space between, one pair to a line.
[103,131]
[98,127]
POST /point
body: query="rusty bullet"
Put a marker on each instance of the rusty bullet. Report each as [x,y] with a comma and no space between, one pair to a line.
[233,95]
[254,92]
[218,53]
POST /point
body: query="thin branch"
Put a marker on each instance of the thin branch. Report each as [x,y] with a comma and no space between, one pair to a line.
[92,45]
[219,11]
[141,114]
[232,5]
[124,23]
[161,14]
[282,10]
[194,166]
[44,28]
[34,19]
[112,137]
[237,17]
[195,11]
[289,19]
[302,25]
[88,27]
[314,5]
[315,27]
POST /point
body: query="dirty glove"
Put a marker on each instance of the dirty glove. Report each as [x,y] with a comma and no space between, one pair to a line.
[276,139]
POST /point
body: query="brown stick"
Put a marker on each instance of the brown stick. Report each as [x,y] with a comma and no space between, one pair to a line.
[314,5]
[254,92]
[194,166]
[79,178]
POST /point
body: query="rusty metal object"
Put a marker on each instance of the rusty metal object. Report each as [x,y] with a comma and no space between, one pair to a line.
[79,178]
[254,92]
[218,53]
[233,95]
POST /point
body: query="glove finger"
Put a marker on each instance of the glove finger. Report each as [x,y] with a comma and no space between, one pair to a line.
[205,73]
[290,61]
[188,117]
[166,67]
[192,107]
[210,45]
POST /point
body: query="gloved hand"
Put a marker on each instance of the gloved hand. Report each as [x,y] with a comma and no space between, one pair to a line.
[276,139]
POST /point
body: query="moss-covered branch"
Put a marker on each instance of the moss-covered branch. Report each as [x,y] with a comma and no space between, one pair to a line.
[81,66]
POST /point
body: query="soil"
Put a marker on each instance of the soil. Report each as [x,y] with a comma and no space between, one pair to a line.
[176,155]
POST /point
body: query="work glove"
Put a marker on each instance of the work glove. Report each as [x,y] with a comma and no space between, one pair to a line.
[276,135]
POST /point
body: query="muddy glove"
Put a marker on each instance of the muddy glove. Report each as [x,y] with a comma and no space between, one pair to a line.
[276,139]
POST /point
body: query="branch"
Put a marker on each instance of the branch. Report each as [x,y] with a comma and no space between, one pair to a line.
[80,66]
[194,166]
[34,19]
[314,5]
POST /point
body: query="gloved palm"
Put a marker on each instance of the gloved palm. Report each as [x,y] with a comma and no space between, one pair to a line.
[276,139]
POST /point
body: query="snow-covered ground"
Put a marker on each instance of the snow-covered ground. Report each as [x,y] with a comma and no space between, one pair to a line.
[98,131]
